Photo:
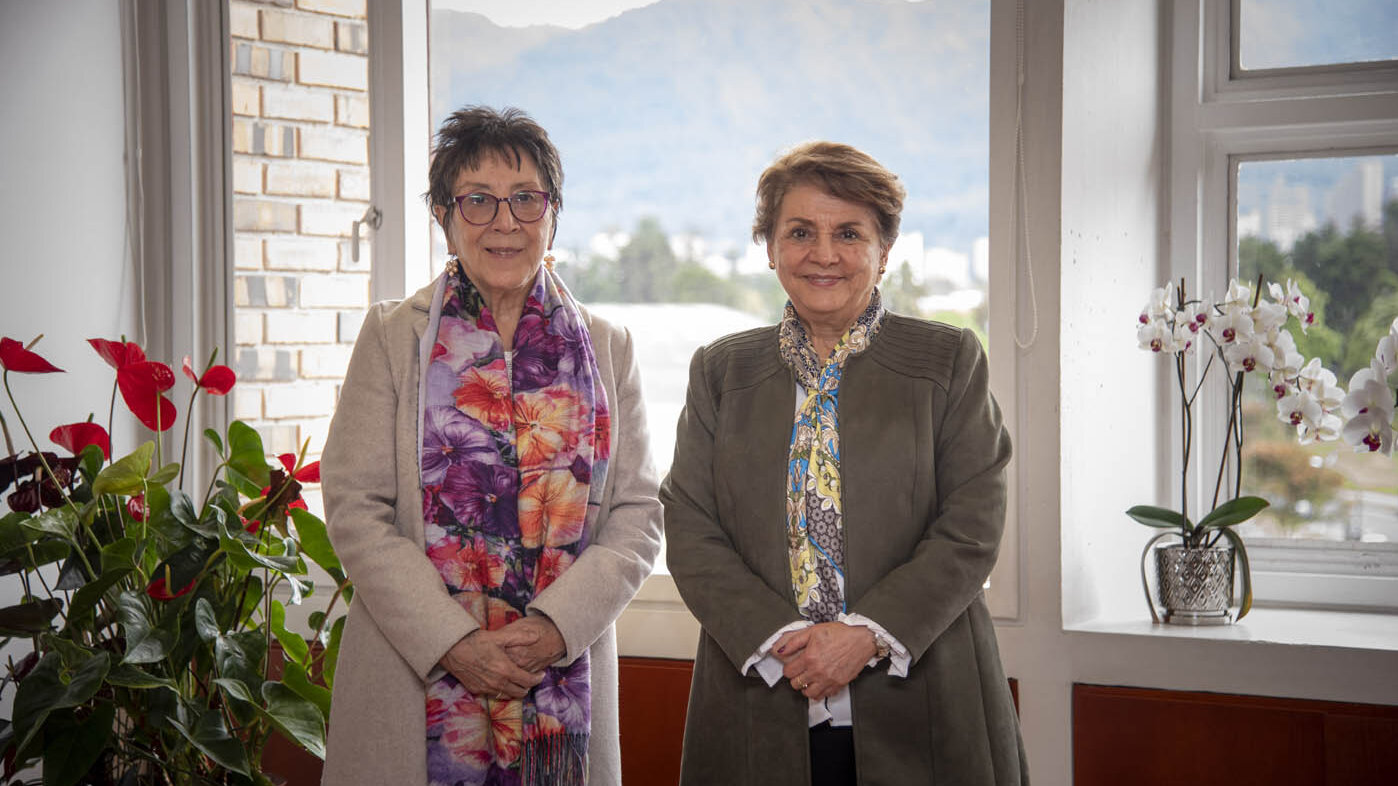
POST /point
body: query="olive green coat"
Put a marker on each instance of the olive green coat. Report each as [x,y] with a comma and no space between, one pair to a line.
[923,451]
[402,620]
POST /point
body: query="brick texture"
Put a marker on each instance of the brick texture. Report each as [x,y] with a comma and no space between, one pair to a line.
[300,179]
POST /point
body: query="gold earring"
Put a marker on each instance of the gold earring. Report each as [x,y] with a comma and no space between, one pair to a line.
[882,268]
[771,264]
[549,260]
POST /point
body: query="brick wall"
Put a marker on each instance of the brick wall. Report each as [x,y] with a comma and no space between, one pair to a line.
[300,179]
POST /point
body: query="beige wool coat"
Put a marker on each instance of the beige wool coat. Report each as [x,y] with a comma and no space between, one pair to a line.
[923,452]
[402,620]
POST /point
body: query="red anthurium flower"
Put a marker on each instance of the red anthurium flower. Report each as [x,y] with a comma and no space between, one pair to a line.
[157,589]
[141,382]
[116,353]
[76,436]
[137,507]
[216,381]
[307,474]
[251,526]
[14,357]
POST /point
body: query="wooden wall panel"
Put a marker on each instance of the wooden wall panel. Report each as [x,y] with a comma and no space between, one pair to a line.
[654,695]
[1162,738]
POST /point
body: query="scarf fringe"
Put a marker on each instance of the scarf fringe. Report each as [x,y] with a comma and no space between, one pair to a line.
[555,759]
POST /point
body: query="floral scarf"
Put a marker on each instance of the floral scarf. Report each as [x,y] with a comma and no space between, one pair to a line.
[514,451]
[814,509]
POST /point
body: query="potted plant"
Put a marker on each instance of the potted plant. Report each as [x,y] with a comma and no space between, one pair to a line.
[154,614]
[1244,334]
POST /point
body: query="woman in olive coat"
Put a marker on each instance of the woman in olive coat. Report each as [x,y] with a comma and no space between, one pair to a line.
[835,559]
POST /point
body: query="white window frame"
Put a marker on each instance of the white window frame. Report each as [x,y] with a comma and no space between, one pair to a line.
[1221,115]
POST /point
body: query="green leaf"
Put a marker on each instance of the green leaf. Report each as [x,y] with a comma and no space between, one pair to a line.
[26,620]
[245,453]
[70,754]
[1162,518]
[90,594]
[315,542]
[205,622]
[294,677]
[124,675]
[120,553]
[145,643]
[126,475]
[186,565]
[217,441]
[164,475]
[1234,511]
[62,522]
[91,462]
[53,686]
[240,655]
[237,689]
[296,717]
[12,535]
[1245,605]
[210,735]
[332,653]
[292,644]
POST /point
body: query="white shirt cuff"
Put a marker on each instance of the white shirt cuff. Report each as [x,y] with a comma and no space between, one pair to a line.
[769,667]
[898,657]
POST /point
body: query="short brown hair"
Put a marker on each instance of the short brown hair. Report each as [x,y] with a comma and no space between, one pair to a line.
[844,172]
[475,132]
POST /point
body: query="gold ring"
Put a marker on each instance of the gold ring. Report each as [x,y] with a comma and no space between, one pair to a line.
[805,685]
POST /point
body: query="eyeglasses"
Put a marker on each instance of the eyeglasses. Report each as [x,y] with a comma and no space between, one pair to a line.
[480,208]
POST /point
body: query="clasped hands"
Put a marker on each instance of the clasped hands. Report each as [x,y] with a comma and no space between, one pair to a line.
[822,659]
[505,663]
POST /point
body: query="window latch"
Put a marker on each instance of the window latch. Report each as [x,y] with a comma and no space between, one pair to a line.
[373,217]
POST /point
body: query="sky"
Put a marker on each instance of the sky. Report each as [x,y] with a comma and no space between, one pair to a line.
[572,14]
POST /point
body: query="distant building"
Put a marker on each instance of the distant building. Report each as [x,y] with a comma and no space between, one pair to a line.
[1359,195]
[1289,214]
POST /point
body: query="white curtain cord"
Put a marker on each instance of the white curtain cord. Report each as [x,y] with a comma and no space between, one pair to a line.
[1022,226]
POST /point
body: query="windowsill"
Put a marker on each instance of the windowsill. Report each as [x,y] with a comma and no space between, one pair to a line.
[1303,627]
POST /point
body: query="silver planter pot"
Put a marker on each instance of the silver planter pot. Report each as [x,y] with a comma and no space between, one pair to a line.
[1194,586]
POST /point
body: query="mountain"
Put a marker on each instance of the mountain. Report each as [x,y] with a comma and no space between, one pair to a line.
[674,109]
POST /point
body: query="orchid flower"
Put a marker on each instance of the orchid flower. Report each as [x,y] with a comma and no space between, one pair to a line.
[1161,304]
[1249,355]
[1156,336]
[1231,326]
[1296,303]
[1369,410]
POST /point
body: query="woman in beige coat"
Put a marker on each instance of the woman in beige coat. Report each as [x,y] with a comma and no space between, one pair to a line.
[835,504]
[489,490]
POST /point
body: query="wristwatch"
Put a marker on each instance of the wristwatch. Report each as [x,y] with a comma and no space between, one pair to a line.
[882,649]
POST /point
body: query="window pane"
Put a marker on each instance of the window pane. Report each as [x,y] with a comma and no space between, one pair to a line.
[1296,33]
[666,113]
[1331,225]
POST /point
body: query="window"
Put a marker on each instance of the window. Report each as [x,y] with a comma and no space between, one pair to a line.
[666,116]
[1284,143]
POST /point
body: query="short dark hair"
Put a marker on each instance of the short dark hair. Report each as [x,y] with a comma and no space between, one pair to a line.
[844,172]
[475,132]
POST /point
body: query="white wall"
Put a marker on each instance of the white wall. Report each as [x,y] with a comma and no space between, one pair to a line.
[62,211]
[63,201]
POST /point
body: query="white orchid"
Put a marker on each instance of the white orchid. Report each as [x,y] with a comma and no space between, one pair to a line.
[1295,301]
[1368,408]
[1386,353]
[1161,304]
[1156,336]
[1268,318]
[1287,363]
[1250,354]
[1231,326]
[1239,297]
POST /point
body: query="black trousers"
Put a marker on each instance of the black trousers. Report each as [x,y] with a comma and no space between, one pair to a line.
[832,755]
